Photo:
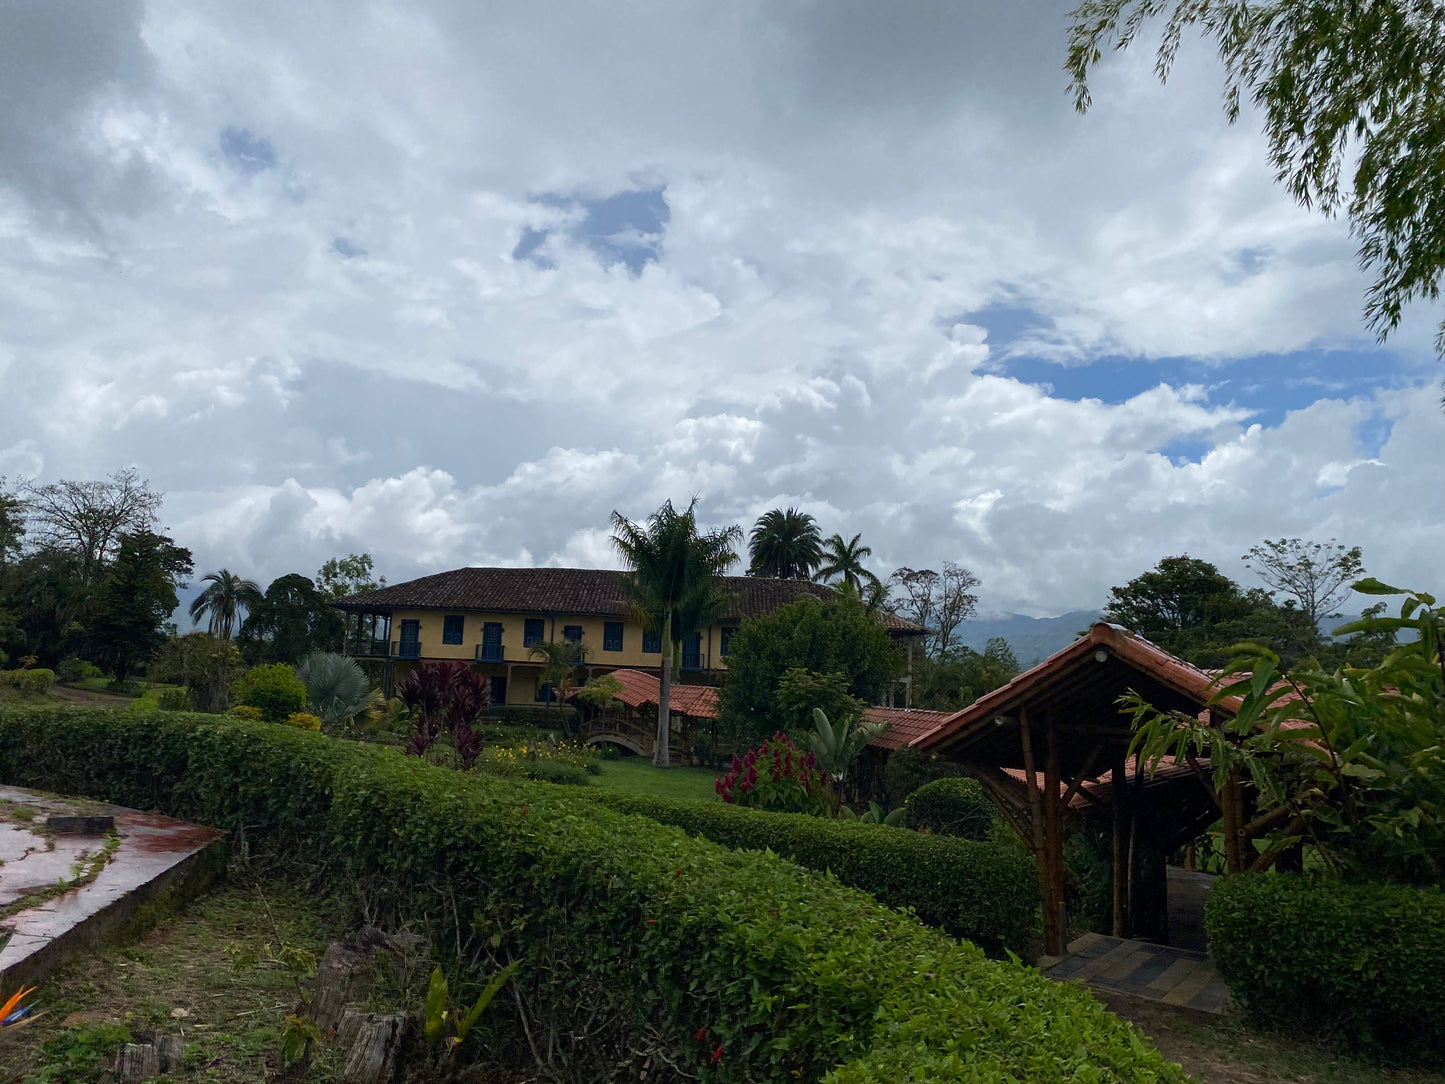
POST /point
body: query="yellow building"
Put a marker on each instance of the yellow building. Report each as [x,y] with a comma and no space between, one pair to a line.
[492,618]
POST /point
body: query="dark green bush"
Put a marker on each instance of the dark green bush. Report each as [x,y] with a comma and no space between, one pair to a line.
[735,966]
[952,807]
[28,681]
[75,669]
[1360,963]
[978,891]
[908,769]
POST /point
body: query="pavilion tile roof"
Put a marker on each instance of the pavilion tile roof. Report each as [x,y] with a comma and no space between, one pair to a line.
[591,592]
[641,689]
[905,725]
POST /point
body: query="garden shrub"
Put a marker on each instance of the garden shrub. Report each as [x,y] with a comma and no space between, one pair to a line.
[734,966]
[36,682]
[560,762]
[1362,963]
[75,669]
[952,807]
[173,700]
[274,689]
[983,892]
[304,720]
[246,711]
[907,769]
[777,777]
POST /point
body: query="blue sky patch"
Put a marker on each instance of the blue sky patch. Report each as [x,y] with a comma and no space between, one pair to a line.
[247,152]
[346,249]
[1271,385]
[625,228]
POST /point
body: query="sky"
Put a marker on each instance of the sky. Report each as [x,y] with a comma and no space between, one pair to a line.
[450,283]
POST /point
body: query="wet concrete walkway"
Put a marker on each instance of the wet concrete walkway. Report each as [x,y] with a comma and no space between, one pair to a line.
[1164,973]
[154,854]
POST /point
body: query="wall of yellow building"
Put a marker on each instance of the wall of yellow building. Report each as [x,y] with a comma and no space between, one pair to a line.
[431,624]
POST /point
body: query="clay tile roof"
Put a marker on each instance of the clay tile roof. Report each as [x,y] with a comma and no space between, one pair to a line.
[599,592]
[640,689]
[905,725]
[1167,671]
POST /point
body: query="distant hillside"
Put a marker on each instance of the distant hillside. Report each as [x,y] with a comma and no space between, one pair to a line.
[1033,639]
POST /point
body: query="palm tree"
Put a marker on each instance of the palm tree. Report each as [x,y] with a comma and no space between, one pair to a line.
[224,599]
[560,663]
[844,561]
[336,687]
[676,586]
[785,545]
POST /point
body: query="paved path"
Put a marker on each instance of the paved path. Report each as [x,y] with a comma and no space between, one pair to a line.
[1174,976]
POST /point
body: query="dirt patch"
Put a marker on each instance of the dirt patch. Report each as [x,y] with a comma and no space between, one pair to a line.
[1224,1050]
[72,695]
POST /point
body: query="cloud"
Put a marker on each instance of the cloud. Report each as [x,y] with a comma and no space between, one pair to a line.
[452,286]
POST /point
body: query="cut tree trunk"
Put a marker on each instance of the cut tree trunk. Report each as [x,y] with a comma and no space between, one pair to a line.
[372,1057]
[342,976]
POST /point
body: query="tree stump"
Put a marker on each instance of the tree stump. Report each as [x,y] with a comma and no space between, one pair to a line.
[372,1057]
[138,1061]
[341,976]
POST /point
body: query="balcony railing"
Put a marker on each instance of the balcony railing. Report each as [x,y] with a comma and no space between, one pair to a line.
[491,653]
[407,649]
[367,648]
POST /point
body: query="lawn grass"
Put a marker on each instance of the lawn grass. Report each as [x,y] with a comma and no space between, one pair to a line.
[222,975]
[636,775]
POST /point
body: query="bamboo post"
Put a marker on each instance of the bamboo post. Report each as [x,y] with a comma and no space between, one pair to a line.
[1036,834]
[1120,852]
[1054,835]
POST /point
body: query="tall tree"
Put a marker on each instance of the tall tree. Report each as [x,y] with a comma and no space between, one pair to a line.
[1188,607]
[1317,575]
[135,600]
[225,598]
[1340,84]
[349,575]
[785,545]
[292,620]
[676,585]
[87,518]
[816,638]
[12,524]
[936,601]
[843,563]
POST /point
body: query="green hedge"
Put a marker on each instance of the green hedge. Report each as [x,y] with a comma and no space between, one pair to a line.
[977,891]
[558,718]
[1361,963]
[785,975]
[28,681]
[952,807]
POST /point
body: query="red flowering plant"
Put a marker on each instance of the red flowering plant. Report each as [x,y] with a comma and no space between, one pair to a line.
[777,777]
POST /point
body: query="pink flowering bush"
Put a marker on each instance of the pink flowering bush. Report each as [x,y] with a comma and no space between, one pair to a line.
[776,777]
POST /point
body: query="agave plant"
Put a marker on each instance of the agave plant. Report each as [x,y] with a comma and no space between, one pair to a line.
[336,687]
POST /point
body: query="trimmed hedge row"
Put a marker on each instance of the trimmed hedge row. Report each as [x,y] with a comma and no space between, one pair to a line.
[734,966]
[28,681]
[1361,963]
[977,891]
